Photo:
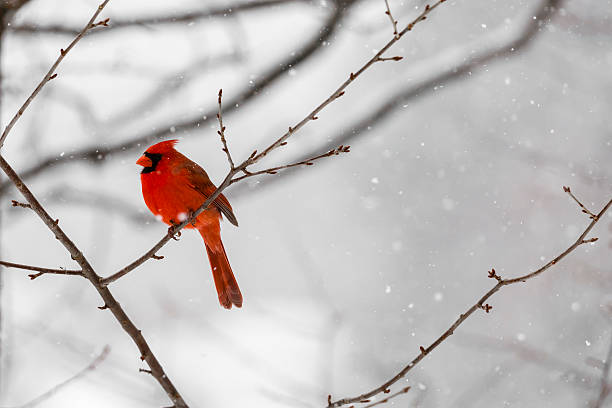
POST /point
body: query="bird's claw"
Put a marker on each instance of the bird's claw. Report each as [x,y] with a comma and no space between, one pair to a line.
[190,216]
[175,235]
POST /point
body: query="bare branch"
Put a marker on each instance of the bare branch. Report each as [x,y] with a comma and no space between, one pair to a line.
[584,209]
[493,275]
[90,367]
[42,271]
[387,399]
[480,304]
[393,21]
[51,73]
[308,162]
[16,203]
[341,89]
[221,132]
[396,58]
[102,23]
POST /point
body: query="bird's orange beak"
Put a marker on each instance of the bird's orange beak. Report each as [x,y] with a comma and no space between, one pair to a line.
[144,161]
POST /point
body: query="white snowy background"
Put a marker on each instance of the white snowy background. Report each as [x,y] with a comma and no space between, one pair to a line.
[348,266]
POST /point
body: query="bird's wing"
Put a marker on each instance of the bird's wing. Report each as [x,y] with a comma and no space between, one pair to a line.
[199,181]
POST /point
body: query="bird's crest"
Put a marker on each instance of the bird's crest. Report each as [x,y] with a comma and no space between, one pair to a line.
[163,147]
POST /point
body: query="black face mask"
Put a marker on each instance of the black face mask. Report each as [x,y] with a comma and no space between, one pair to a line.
[155,158]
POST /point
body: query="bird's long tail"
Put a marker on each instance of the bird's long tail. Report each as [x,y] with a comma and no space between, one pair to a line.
[225,282]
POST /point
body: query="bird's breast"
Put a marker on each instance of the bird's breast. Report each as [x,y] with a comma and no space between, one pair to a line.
[173,199]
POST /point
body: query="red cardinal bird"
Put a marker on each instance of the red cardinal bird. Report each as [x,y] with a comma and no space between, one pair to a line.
[173,187]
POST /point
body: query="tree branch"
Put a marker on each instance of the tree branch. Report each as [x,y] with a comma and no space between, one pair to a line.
[308,162]
[447,67]
[480,304]
[582,207]
[16,203]
[393,20]
[51,73]
[42,271]
[221,132]
[390,397]
[341,89]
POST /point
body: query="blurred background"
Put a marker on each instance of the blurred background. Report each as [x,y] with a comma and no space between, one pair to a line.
[458,157]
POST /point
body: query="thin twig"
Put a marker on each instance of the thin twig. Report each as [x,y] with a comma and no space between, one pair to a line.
[90,367]
[221,132]
[604,388]
[41,271]
[396,58]
[16,203]
[255,157]
[582,206]
[424,351]
[341,89]
[307,162]
[390,397]
[51,73]
[393,20]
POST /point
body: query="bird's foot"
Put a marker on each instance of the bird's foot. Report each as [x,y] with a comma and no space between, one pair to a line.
[171,230]
[190,216]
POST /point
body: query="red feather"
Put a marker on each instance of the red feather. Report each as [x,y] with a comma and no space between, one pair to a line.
[173,187]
